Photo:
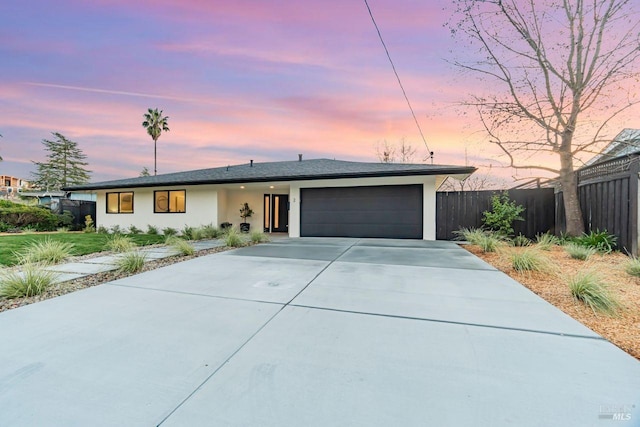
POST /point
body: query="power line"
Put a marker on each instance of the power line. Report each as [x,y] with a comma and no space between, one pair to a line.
[399,81]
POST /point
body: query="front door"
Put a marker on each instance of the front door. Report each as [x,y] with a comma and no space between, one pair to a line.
[279,213]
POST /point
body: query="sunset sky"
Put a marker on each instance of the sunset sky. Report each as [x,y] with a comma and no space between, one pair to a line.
[239,80]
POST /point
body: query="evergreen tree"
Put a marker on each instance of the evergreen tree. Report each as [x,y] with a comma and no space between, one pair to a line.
[65,165]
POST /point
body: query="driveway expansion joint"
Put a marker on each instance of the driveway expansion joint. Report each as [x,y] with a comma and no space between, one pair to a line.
[453,322]
[146,288]
[283,306]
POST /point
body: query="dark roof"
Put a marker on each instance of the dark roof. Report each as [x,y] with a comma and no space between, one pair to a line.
[627,142]
[279,171]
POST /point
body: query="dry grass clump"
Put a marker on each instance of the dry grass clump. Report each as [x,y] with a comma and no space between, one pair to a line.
[590,288]
[32,281]
[46,252]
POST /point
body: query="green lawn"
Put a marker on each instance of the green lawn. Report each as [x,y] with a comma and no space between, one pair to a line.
[84,243]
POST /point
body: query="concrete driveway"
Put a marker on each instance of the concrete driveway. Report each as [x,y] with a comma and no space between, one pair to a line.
[312,332]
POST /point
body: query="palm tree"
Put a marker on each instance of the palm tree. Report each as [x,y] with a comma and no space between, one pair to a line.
[155,125]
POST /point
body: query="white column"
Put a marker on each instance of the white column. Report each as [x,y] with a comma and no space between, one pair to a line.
[429,208]
[294,210]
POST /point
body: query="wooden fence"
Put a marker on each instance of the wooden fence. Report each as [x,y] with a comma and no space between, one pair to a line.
[79,209]
[458,209]
[608,195]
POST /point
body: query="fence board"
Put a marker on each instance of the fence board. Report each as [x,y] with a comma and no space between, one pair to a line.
[609,199]
[458,209]
[79,209]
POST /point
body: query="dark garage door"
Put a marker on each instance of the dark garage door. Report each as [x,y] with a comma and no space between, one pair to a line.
[384,211]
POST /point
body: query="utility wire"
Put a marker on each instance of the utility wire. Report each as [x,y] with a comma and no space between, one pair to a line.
[399,81]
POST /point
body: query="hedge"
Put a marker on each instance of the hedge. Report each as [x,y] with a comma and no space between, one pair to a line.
[15,215]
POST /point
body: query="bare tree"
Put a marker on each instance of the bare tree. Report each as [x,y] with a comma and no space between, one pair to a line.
[475,182]
[406,152]
[386,152]
[560,72]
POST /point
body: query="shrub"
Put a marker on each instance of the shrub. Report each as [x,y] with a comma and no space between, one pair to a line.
[33,280]
[210,231]
[152,230]
[632,267]
[232,238]
[529,260]
[134,230]
[181,246]
[502,214]
[565,239]
[46,251]
[168,231]
[102,230]
[187,232]
[4,227]
[65,219]
[197,234]
[258,236]
[119,243]
[521,241]
[17,215]
[89,225]
[576,251]
[116,229]
[62,230]
[471,235]
[589,288]
[131,262]
[489,243]
[599,240]
[546,241]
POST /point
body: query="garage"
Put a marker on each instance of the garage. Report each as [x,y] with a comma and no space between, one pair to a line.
[390,211]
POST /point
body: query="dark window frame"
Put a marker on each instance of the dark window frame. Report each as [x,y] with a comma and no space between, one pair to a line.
[119,193]
[168,211]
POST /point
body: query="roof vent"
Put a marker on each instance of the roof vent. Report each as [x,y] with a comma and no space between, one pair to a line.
[299,157]
[251,163]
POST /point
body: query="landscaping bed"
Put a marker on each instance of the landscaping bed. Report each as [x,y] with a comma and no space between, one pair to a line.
[97,279]
[622,329]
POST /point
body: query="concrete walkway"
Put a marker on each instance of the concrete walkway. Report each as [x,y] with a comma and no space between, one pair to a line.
[313,332]
[86,267]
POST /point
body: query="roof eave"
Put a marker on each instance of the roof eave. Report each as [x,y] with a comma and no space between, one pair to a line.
[423,172]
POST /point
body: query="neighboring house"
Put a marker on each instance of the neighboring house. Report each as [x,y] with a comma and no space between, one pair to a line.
[319,197]
[52,198]
[10,186]
[625,143]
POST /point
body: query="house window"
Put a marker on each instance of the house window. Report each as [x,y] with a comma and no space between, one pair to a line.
[120,202]
[173,201]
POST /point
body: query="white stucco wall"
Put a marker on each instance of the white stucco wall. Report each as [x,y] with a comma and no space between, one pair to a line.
[222,207]
[201,208]
[237,198]
[428,200]
[211,204]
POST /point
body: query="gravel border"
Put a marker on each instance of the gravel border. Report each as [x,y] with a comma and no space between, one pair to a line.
[69,286]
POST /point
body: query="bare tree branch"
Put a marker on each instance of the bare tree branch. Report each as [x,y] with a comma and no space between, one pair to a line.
[559,73]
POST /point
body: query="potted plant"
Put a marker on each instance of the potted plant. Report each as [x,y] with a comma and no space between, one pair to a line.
[245,212]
